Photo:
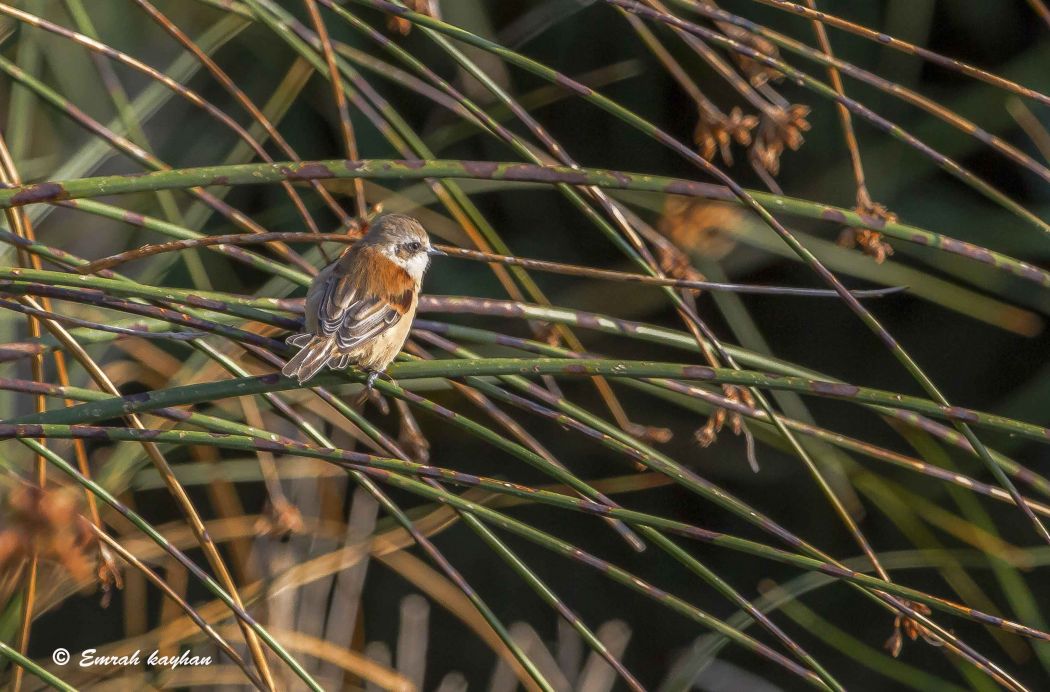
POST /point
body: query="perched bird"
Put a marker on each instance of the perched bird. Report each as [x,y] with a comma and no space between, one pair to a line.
[359,308]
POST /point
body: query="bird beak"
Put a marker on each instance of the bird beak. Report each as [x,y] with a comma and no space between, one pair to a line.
[434,252]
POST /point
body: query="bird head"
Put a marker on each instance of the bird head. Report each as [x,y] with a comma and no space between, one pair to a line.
[402,239]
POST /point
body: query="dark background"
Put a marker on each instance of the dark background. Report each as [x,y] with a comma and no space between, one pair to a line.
[975,364]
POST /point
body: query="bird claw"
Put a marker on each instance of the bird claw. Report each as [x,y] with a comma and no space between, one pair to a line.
[371,381]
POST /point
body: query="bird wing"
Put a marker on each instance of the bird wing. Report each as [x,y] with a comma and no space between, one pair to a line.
[367,299]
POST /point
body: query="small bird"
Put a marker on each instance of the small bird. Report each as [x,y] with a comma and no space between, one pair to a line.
[359,309]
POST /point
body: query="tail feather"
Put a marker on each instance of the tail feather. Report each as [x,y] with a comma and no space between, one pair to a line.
[310,358]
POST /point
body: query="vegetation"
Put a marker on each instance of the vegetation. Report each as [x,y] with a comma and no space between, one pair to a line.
[734,376]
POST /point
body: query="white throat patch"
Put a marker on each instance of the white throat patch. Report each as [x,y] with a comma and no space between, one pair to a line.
[416,265]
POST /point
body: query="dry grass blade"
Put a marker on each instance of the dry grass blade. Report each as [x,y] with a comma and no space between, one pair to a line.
[171,594]
[248,105]
[347,128]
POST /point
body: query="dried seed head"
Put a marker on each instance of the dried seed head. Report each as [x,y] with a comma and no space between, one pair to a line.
[906,627]
[779,130]
[757,73]
[708,433]
[649,433]
[548,333]
[675,264]
[715,131]
[281,519]
[403,26]
[700,227]
[47,523]
[870,241]
[410,437]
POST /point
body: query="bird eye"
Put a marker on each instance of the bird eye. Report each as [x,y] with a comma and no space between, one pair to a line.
[415,245]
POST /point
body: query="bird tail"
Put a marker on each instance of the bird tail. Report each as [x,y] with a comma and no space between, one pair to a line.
[310,358]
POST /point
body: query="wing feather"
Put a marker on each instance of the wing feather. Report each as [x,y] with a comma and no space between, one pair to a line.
[359,304]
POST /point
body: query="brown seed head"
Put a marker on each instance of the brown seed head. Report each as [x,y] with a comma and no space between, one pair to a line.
[757,73]
[868,240]
[47,523]
[715,131]
[700,227]
[403,26]
[782,129]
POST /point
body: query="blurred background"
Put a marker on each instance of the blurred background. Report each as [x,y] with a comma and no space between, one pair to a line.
[978,332]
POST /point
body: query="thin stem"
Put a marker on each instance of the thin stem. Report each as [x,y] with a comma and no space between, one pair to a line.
[1040,8]
[827,59]
[154,74]
[21,662]
[399,515]
[905,47]
[845,119]
[383,468]
[645,332]
[211,552]
[249,105]
[380,169]
[166,545]
[136,152]
[159,582]
[349,141]
[699,399]
[143,251]
[944,162]
[19,221]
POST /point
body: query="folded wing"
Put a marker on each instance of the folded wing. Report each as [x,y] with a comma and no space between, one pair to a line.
[347,309]
[360,306]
